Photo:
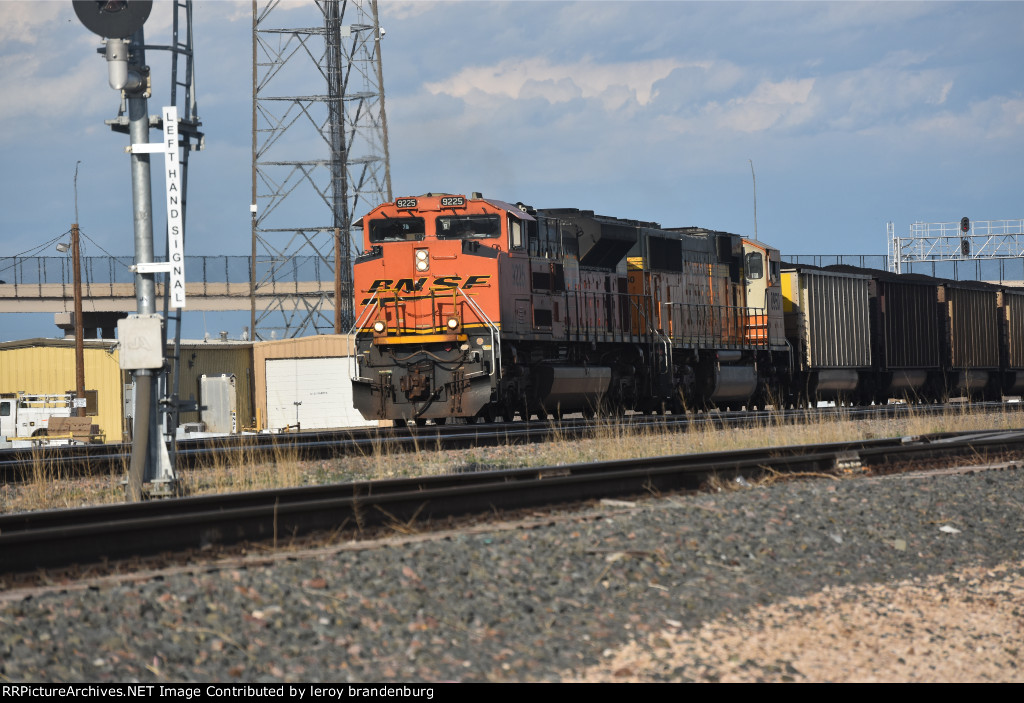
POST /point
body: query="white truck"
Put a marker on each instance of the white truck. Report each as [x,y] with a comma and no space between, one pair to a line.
[25,418]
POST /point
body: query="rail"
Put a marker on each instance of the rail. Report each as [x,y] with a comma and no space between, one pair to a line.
[48,538]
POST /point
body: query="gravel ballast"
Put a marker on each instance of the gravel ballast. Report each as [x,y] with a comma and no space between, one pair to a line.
[664,589]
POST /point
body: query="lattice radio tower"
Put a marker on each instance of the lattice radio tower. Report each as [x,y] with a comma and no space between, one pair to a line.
[319,158]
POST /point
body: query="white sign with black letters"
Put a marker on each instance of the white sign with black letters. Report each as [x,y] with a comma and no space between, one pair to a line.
[175,266]
[175,223]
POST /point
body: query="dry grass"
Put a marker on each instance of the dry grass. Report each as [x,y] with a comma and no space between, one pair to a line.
[51,487]
[245,470]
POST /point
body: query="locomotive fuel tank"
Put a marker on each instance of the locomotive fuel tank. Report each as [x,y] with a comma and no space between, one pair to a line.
[566,389]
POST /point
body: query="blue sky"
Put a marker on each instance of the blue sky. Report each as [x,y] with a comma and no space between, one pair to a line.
[854,114]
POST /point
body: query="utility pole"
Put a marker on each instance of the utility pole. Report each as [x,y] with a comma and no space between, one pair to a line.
[76,268]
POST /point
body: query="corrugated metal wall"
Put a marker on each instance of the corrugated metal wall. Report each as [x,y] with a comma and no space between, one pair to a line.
[319,347]
[214,359]
[909,322]
[48,366]
[836,323]
[973,327]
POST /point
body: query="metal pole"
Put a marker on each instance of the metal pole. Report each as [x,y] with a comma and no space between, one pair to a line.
[253,204]
[79,326]
[754,178]
[337,281]
[383,114]
[145,283]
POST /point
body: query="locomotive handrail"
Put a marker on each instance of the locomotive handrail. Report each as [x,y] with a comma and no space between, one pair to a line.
[492,329]
[370,306]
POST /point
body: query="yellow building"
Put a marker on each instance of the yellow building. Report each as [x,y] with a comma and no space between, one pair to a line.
[47,366]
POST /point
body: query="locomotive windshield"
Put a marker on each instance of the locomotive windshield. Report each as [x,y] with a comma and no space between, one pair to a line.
[402,229]
[468,226]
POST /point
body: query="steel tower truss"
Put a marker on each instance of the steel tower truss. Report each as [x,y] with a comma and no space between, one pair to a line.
[944,241]
[319,156]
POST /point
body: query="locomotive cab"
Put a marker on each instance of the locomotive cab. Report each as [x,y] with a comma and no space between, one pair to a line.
[762,272]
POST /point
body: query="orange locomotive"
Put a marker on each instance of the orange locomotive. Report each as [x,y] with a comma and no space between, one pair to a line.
[477,308]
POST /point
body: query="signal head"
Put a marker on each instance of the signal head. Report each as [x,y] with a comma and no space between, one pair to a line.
[115,19]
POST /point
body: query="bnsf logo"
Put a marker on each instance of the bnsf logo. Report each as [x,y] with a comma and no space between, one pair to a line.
[411,285]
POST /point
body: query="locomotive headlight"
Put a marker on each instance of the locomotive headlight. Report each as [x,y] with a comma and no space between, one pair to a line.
[422,260]
[453,322]
[378,326]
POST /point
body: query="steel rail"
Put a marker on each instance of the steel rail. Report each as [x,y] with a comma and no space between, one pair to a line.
[19,465]
[29,541]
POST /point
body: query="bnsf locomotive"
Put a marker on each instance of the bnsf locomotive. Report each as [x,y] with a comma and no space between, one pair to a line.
[477,308]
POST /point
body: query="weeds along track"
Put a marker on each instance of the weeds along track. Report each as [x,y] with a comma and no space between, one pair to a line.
[46,539]
[41,465]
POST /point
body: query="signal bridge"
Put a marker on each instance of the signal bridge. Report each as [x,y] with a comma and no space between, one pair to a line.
[999,243]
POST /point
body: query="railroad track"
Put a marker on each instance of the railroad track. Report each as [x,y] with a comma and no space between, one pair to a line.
[30,541]
[19,465]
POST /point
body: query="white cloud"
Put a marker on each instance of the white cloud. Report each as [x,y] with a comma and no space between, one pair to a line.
[538,77]
[769,104]
[405,10]
[34,95]
[24,21]
[997,118]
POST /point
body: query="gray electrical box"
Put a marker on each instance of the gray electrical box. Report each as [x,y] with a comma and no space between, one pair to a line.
[217,399]
[140,341]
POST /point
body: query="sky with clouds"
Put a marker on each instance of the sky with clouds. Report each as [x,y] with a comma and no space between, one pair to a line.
[853,114]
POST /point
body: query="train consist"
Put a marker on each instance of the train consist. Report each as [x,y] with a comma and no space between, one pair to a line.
[470,307]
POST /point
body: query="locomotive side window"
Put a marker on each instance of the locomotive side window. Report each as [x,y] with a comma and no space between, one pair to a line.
[515,234]
[401,229]
[5,409]
[754,266]
[468,226]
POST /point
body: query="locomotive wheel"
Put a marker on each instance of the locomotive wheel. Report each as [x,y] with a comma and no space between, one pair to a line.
[421,422]
[508,413]
[440,421]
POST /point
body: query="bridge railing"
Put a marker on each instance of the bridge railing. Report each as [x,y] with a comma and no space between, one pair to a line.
[100,274]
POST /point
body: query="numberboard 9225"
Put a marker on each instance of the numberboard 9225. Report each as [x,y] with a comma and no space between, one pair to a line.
[446,201]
